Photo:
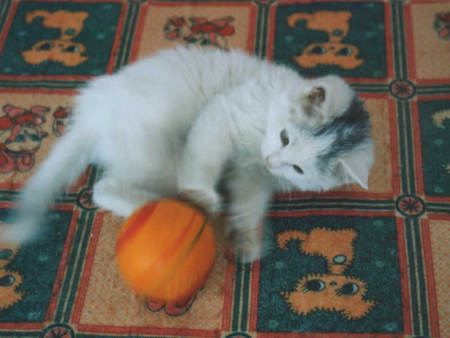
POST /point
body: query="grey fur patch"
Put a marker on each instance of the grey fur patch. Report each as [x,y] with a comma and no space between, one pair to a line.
[350,130]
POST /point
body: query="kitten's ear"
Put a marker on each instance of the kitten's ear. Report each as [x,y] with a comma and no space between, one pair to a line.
[326,97]
[356,166]
[314,101]
[316,96]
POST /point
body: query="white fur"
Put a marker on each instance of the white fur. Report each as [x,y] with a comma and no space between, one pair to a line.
[169,124]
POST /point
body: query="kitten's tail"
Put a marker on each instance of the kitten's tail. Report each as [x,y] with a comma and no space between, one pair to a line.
[69,157]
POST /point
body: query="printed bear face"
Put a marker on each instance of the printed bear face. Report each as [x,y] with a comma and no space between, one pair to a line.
[333,52]
[330,292]
[67,52]
[63,49]
[333,290]
[330,53]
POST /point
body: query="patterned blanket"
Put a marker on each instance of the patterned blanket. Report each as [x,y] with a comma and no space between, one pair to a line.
[343,263]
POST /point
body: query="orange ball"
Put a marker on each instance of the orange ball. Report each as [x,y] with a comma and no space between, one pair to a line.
[165,250]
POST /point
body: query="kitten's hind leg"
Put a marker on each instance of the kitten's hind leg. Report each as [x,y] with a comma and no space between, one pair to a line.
[119,197]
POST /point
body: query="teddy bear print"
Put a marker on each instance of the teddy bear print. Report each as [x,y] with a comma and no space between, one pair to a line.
[334,290]
[334,51]
[62,49]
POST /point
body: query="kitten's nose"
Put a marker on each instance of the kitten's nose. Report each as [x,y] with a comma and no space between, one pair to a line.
[273,161]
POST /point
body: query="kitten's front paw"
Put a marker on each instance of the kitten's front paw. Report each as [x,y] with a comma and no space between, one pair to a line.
[250,252]
[247,244]
[208,200]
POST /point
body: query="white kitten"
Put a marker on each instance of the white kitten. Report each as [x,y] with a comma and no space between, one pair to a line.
[171,123]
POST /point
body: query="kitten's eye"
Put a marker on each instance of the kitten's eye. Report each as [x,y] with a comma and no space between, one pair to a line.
[284,138]
[297,169]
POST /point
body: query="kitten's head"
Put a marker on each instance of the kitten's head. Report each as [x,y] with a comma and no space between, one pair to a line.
[318,137]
